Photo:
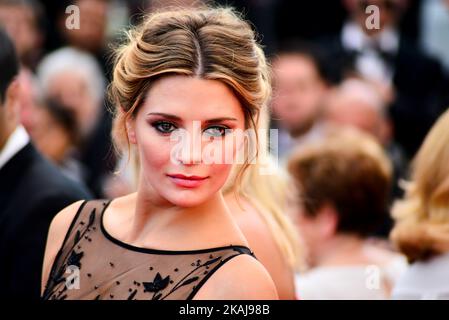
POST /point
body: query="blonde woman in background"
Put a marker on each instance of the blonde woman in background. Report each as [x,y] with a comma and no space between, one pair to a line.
[421,228]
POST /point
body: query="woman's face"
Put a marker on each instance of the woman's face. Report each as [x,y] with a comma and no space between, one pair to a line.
[183,121]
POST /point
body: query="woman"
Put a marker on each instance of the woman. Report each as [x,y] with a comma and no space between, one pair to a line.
[421,230]
[197,75]
[343,184]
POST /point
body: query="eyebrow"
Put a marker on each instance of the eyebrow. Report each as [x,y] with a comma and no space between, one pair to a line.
[176,118]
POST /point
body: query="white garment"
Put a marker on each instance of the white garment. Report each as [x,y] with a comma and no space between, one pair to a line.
[16,141]
[370,63]
[435,30]
[425,280]
[357,282]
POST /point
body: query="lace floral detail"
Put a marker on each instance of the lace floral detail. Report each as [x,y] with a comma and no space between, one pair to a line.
[109,269]
[74,259]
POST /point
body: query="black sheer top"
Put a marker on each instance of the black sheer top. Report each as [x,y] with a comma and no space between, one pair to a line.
[92,264]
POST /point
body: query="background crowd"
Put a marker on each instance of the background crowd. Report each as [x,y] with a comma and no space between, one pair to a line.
[365,159]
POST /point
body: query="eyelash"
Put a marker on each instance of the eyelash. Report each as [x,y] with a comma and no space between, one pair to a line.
[224,130]
[157,125]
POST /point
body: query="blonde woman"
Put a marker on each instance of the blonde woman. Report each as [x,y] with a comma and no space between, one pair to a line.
[421,228]
[198,73]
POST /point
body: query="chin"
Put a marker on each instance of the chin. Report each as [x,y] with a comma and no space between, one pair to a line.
[187,200]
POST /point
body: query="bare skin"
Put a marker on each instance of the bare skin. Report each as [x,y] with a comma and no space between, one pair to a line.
[9,112]
[262,242]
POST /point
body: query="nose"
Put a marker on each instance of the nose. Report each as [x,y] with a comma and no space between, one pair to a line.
[188,148]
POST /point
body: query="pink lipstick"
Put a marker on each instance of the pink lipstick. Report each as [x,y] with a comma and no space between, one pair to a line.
[187,181]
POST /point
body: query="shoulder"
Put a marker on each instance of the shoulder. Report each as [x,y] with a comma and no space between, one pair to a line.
[247,217]
[262,241]
[61,222]
[58,229]
[240,278]
[256,230]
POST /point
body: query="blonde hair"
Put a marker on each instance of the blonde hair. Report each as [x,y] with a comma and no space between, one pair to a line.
[422,217]
[267,193]
[210,43]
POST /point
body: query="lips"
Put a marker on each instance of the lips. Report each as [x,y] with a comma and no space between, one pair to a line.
[187,181]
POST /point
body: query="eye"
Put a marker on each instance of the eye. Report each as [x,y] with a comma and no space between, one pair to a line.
[217,131]
[164,127]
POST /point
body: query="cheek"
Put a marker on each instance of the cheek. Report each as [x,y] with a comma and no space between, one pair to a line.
[154,154]
[226,151]
[219,174]
[154,150]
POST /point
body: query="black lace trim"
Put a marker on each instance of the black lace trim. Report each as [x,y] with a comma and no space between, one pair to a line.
[239,248]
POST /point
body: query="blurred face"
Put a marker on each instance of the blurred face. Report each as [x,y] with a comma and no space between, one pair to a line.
[50,138]
[298,91]
[353,113]
[204,114]
[93,20]
[28,100]
[72,91]
[19,22]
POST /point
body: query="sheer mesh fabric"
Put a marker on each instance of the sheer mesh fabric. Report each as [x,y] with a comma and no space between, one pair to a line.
[92,264]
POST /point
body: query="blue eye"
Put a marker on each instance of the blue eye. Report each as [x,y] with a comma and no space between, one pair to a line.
[164,127]
[217,131]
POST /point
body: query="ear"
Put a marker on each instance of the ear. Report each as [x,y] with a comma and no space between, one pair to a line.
[13,92]
[130,131]
[327,219]
[12,100]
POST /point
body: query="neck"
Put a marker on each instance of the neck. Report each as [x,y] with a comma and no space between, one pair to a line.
[302,128]
[7,125]
[152,214]
[5,133]
[341,249]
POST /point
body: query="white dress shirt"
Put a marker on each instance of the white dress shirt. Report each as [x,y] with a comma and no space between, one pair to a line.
[370,63]
[16,142]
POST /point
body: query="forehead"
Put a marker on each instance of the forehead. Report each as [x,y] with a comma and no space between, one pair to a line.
[192,98]
[292,65]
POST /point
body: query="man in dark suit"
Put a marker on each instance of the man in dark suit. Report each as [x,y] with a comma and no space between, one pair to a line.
[382,54]
[32,191]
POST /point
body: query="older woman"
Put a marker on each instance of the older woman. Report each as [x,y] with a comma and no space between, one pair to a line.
[342,186]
